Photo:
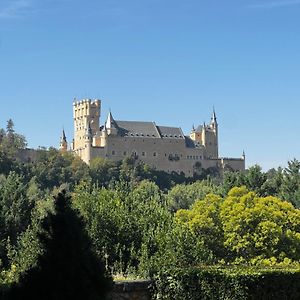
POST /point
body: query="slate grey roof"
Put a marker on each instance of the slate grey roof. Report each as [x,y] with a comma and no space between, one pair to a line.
[170,132]
[147,129]
[137,129]
[190,143]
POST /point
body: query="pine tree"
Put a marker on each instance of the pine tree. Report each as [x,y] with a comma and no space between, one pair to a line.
[68,269]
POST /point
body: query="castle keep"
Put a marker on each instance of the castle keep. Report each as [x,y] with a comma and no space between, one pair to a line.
[162,147]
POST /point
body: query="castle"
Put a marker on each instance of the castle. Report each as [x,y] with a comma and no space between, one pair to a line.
[162,147]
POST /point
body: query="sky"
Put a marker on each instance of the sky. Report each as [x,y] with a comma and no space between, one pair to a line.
[166,61]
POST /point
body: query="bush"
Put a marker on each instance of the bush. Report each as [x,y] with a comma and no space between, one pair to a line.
[211,283]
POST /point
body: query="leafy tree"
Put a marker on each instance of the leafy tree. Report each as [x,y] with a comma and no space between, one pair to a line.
[245,228]
[128,217]
[257,228]
[68,268]
[204,222]
[53,168]
[184,195]
[103,171]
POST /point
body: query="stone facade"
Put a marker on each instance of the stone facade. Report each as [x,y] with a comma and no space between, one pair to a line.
[161,147]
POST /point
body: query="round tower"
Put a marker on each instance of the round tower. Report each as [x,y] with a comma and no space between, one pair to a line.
[88,140]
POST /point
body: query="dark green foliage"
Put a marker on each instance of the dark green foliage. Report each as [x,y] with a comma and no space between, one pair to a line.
[68,269]
[227,284]
[290,188]
[53,168]
[15,211]
[10,141]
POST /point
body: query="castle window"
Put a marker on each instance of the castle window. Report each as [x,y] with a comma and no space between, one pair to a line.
[154,154]
[124,153]
[113,152]
[143,153]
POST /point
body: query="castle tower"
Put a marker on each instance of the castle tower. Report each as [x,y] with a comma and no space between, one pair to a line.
[63,147]
[88,140]
[210,137]
[214,127]
[85,113]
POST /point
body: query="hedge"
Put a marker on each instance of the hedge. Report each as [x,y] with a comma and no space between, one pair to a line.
[209,283]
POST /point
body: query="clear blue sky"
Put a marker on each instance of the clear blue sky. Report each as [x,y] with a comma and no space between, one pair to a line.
[167,61]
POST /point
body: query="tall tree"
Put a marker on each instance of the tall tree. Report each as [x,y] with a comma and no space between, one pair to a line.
[68,268]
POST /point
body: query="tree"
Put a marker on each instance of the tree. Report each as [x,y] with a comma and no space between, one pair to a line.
[15,210]
[68,268]
[257,228]
[182,196]
[290,188]
[245,228]
[203,220]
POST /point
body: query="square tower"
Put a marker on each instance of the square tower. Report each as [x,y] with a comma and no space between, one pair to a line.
[86,114]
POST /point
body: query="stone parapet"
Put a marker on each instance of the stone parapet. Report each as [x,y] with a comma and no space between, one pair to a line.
[130,290]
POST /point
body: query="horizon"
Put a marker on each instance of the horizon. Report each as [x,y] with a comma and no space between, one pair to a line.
[163,61]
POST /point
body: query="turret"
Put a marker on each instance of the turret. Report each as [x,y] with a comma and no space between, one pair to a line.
[104,137]
[63,142]
[243,155]
[111,125]
[88,140]
[214,123]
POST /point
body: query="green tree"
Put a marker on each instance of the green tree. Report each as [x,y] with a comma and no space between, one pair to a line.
[258,228]
[15,210]
[68,268]
[182,196]
[290,188]
[203,220]
[10,141]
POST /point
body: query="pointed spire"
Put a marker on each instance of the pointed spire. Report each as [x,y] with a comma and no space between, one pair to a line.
[110,122]
[63,142]
[214,116]
[63,136]
[243,155]
[193,128]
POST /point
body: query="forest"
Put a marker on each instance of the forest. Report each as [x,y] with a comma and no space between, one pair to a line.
[195,237]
